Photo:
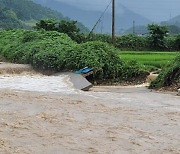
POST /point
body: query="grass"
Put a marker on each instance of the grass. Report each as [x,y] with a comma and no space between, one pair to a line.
[151,60]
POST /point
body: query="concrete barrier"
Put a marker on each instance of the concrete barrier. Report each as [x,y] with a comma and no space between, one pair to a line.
[78,81]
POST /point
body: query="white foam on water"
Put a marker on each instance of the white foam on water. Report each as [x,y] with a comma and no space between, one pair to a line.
[37,83]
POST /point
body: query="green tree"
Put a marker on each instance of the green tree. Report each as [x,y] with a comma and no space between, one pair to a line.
[68,27]
[46,24]
[157,36]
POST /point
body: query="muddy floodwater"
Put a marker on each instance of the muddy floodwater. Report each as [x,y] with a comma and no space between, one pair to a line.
[46,115]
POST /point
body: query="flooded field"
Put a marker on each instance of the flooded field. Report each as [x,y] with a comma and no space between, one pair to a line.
[45,114]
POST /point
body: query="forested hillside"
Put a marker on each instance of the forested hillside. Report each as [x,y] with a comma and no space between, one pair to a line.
[25,13]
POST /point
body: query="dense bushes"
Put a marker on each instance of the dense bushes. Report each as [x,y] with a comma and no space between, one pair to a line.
[56,52]
[133,71]
[124,42]
[177,42]
[100,56]
[20,46]
[170,75]
[131,42]
[135,42]
[99,37]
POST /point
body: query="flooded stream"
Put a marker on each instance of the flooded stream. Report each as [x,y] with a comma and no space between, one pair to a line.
[37,83]
[45,114]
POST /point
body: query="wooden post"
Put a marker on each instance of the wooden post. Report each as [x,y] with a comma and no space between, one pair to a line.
[113,22]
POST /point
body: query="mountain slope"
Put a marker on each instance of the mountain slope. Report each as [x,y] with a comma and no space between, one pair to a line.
[174,21]
[15,13]
[124,18]
[25,13]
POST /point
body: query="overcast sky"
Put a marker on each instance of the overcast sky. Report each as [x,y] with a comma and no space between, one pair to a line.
[155,10]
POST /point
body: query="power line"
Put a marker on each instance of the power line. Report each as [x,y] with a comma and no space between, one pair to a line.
[100,18]
[102,24]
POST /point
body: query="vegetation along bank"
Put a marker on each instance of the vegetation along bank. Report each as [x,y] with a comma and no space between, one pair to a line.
[54,51]
[60,46]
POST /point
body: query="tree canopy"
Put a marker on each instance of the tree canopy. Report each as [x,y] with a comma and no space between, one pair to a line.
[157,35]
[68,27]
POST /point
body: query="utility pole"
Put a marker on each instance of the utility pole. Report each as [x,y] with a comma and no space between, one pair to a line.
[113,21]
[133,27]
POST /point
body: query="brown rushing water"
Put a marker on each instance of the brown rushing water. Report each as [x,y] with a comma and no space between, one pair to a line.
[44,114]
[8,68]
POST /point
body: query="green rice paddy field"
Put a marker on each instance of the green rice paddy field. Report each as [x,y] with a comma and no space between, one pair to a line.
[151,60]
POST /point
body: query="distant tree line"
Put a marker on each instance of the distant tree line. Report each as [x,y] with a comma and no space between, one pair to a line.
[158,37]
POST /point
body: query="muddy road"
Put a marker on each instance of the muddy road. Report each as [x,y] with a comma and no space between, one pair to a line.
[40,114]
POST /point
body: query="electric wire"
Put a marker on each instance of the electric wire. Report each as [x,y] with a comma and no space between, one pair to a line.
[100,18]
